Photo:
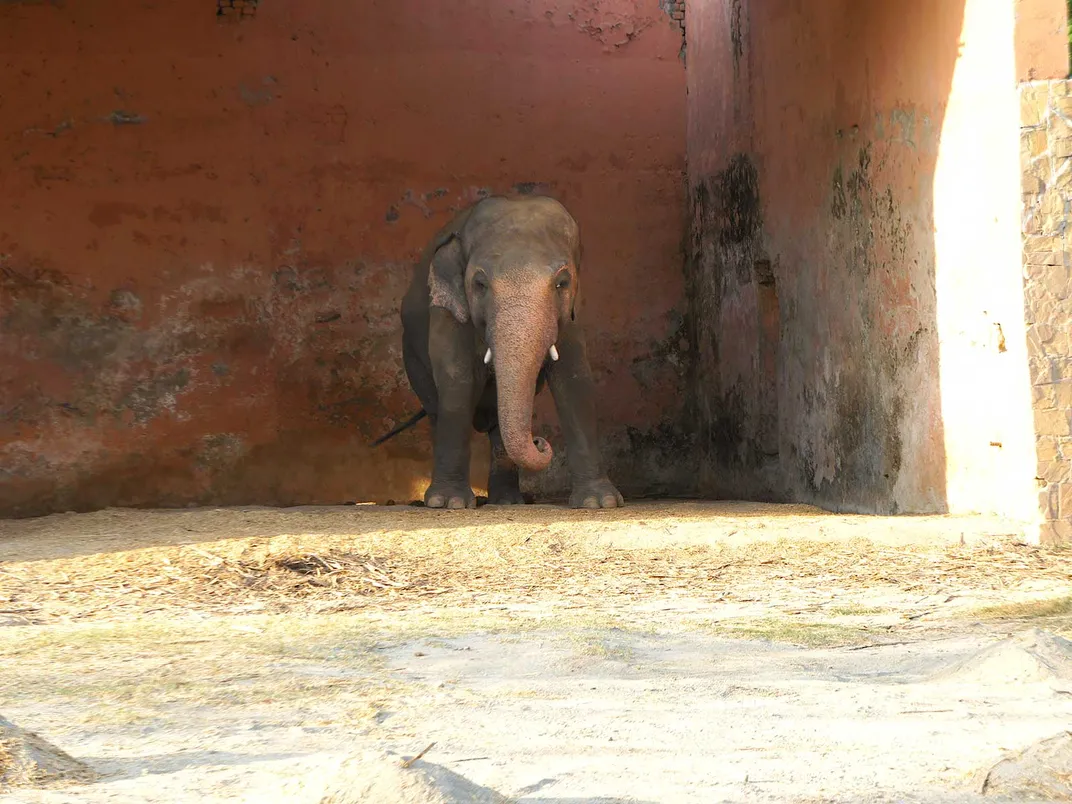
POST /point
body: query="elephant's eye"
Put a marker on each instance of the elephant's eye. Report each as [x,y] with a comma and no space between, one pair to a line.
[562,282]
[480,283]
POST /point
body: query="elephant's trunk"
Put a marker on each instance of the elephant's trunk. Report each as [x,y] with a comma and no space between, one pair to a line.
[520,341]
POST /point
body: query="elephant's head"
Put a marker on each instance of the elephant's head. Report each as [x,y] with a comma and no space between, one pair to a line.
[511,268]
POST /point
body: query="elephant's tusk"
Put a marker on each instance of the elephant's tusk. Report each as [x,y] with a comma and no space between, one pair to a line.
[553,351]
[487,356]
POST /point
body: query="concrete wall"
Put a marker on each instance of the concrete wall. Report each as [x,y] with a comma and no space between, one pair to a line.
[853,265]
[207,223]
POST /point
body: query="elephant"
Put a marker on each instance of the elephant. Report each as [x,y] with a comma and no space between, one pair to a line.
[489,318]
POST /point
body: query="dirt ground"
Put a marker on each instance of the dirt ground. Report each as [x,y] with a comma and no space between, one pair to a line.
[666,652]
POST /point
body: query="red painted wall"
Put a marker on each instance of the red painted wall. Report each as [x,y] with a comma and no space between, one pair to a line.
[206,225]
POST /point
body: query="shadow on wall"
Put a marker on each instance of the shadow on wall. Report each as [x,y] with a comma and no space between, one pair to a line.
[813,136]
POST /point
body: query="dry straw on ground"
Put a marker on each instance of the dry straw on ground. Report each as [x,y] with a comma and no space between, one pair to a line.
[116,564]
[26,760]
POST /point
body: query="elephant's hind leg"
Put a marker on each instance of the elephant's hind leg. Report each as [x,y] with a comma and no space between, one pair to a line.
[504,482]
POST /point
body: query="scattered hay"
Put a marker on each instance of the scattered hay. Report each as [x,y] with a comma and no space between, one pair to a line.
[121,564]
[26,760]
[361,573]
[1027,610]
[853,610]
[793,631]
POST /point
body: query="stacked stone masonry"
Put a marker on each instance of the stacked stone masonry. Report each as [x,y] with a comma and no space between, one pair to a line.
[1046,163]
[233,10]
[678,13]
[675,9]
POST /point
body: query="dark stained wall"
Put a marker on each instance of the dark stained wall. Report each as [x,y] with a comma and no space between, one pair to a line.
[813,138]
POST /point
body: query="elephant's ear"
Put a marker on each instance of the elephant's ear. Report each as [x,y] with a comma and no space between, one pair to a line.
[578,256]
[446,279]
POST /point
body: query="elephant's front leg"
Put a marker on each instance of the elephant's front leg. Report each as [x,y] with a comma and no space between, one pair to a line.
[450,350]
[504,481]
[571,384]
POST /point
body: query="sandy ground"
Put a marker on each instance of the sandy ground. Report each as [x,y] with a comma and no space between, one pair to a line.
[670,652]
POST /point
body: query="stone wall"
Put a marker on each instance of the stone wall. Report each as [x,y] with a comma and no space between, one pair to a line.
[1046,160]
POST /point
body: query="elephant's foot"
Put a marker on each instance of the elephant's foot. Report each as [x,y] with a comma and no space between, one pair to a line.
[449,495]
[504,489]
[595,494]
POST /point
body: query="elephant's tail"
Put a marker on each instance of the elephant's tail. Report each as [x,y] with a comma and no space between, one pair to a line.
[408,423]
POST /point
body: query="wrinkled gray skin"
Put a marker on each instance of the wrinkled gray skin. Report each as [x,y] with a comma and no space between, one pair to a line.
[503,274]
